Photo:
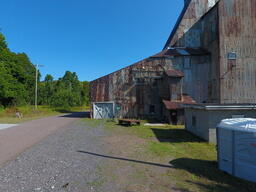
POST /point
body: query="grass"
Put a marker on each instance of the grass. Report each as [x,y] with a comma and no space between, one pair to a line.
[29,113]
[98,182]
[194,160]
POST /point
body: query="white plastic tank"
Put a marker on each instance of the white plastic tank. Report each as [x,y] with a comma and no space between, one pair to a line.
[237,147]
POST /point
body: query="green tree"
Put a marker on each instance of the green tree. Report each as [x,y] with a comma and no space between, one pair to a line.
[68,91]
[85,93]
[3,44]
[17,83]
[16,79]
[46,90]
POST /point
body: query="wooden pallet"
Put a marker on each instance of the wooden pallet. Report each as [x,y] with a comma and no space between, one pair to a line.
[128,122]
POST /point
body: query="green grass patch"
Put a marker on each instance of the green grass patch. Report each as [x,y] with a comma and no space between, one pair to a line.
[29,113]
[194,161]
[98,182]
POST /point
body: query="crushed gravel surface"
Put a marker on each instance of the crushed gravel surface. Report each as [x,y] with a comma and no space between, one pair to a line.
[55,164]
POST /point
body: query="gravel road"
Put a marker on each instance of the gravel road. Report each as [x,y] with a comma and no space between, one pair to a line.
[15,140]
[55,163]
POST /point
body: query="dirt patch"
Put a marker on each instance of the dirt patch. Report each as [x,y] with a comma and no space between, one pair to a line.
[124,145]
[132,169]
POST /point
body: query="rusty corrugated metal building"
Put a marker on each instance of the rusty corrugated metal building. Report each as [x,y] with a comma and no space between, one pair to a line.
[210,57]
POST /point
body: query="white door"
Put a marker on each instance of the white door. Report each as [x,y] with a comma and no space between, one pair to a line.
[103,110]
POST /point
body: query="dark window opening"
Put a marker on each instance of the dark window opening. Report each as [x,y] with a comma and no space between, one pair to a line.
[154,83]
[174,117]
[193,121]
[152,109]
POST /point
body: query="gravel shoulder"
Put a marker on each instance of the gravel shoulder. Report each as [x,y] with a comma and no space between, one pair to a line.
[85,157]
[15,140]
[55,163]
[95,156]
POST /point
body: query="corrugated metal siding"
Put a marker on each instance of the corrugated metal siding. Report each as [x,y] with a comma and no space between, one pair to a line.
[237,34]
[195,10]
[202,80]
[196,76]
[131,88]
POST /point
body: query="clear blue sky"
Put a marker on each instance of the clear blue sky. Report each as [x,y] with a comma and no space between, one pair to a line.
[90,37]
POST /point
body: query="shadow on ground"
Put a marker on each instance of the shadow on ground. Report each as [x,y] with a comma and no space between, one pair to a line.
[175,135]
[77,115]
[125,159]
[208,169]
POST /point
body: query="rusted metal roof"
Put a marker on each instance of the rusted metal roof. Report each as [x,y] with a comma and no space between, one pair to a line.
[174,73]
[186,99]
[181,51]
[173,105]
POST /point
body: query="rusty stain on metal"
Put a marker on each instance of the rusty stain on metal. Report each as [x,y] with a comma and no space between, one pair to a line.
[174,73]
[172,105]
[191,14]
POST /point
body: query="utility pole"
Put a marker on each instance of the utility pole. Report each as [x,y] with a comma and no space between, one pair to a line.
[36,66]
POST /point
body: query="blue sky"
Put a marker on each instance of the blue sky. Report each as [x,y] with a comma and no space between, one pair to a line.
[90,37]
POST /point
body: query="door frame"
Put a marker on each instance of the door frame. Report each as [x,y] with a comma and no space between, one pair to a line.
[107,102]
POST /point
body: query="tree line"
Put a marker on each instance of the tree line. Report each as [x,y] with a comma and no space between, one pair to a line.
[66,92]
[17,83]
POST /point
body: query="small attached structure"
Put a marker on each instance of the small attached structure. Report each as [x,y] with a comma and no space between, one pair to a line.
[202,119]
[237,147]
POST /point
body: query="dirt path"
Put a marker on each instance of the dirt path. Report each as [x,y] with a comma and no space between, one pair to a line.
[56,163]
[15,140]
[80,157]
[95,156]
[129,168]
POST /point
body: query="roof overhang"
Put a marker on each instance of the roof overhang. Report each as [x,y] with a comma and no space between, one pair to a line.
[181,51]
[174,73]
[179,104]
[212,107]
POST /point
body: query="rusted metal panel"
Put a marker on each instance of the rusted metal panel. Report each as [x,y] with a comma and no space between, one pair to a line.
[202,80]
[196,77]
[173,105]
[191,14]
[237,24]
[132,88]
[174,73]
[181,51]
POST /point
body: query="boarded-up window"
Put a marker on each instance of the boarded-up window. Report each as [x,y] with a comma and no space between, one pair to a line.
[152,109]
